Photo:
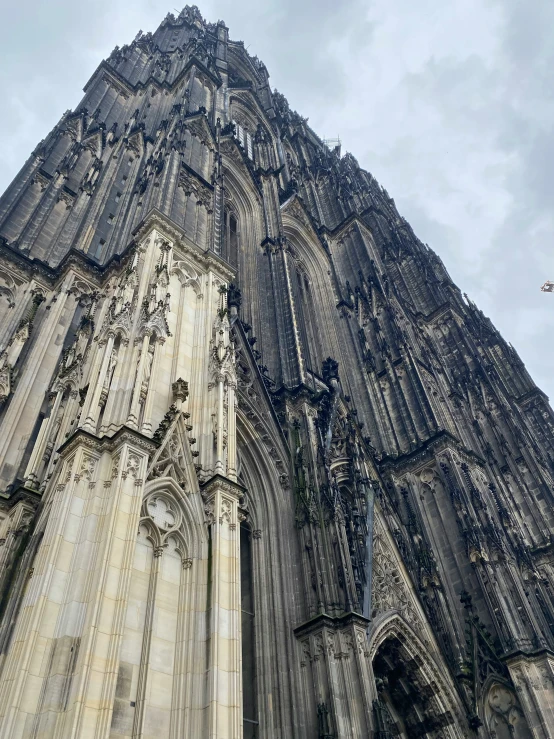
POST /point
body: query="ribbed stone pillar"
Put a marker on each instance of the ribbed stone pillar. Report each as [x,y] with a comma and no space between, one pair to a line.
[224,698]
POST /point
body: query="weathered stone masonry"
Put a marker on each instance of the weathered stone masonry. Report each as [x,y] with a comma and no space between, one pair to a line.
[264,471]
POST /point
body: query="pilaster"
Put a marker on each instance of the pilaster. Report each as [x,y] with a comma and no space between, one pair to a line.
[533,678]
[224,700]
[336,671]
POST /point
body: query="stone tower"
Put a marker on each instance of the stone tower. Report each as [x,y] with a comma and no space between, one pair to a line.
[264,471]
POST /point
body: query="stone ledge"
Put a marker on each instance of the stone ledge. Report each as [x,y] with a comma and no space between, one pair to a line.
[107,443]
[323,620]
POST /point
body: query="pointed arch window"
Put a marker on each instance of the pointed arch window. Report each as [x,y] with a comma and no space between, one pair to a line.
[308,322]
[231,252]
[244,137]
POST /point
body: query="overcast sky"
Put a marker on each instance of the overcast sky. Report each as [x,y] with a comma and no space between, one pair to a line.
[450,105]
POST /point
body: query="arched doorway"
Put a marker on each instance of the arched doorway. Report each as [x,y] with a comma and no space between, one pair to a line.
[412,699]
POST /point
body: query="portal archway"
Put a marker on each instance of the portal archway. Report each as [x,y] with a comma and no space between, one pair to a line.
[414,699]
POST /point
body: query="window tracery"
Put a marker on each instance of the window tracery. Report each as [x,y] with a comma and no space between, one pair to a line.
[162,513]
[231,235]
[244,136]
[308,319]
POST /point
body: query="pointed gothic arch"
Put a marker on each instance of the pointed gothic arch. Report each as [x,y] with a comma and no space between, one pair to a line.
[243,201]
[307,315]
[270,523]
[320,299]
[231,234]
[416,695]
[502,711]
[187,509]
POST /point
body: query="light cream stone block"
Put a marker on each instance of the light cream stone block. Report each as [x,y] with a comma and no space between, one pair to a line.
[165,624]
[72,528]
[31,694]
[49,619]
[65,554]
[58,585]
[101,657]
[111,581]
[161,687]
[157,723]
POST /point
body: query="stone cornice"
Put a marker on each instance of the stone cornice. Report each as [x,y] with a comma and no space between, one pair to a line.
[219,482]
[354,219]
[83,265]
[22,493]
[208,260]
[107,443]
[74,260]
[323,620]
[535,392]
[193,173]
[443,440]
[98,274]
[512,658]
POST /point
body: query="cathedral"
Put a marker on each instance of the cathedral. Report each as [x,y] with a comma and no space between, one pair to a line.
[265,472]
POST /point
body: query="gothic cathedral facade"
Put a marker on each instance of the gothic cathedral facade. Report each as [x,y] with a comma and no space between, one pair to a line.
[265,473]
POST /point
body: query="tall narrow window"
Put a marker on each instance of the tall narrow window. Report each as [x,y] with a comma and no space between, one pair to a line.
[308,324]
[233,241]
[231,238]
[245,139]
[249,692]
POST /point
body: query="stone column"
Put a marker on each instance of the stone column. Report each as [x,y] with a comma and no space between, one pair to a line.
[13,528]
[122,406]
[134,413]
[17,316]
[336,673]
[146,427]
[69,419]
[220,401]
[67,424]
[32,472]
[533,678]
[95,369]
[223,709]
[145,675]
[108,423]
[231,433]
[92,415]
